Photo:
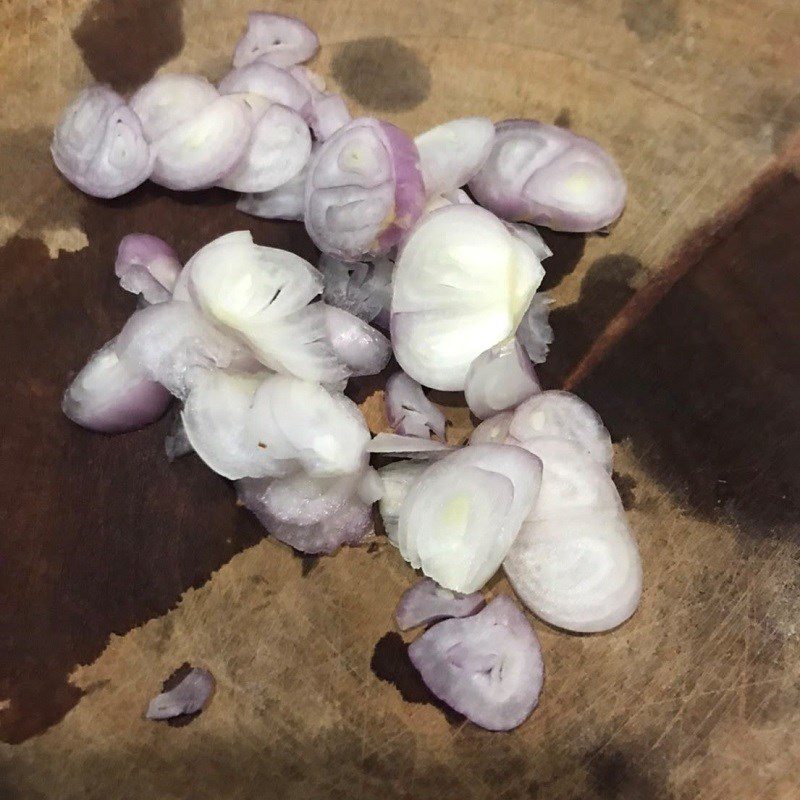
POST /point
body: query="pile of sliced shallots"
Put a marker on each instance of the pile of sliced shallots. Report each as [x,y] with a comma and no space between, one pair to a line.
[257,346]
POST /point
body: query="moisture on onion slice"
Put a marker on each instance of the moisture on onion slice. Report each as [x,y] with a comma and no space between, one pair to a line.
[548,176]
[487,666]
[461,517]
[147,266]
[461,285]
[409,411]
[278,39]
[363,289]
[534,331]
[397,479]
[363,349]
[427,602]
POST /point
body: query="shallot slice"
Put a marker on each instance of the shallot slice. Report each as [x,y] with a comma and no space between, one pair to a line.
[558,413]
[409,411]
[364,190]
[392,444]
[98,144]
[110,395]
[168,100]
[363,349]
[398,478]
[499,379]
[199,152]
[461,285]
[493,430]
[325,112]
[188,697]
[148,266]
[461,517]
[275,38]
[451,154]
[269,81]
[427,602]
[548,176]
[283,202]
[362,289]
[534,331]
[532,238]
[487,666]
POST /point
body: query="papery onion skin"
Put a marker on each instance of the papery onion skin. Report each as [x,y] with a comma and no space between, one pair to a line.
[362,289]
[148,266]
[499,379]
[547,175]
[532,238]
[487,666]
[363,349]
[493,430]
[176,442]
[269,81]
[278,39]
[99,146]
[364,190]
[409,411]
[188,697]
[112,396]
[398,478]
[534,331]
[427,602]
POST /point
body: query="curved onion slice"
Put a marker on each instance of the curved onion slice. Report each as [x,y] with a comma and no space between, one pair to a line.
[275,38]
[409,411]
[326,112]
[362,289]
[98,144]
[188,697]
[427,602]
[397,477]
[279,148]
[581,573]
[364,350]
[461,285]
[364,190]
[148,266]
[313,515]
[548,176]
[261,295]
[267,80]
[532,238]
[168,100]
[391,444]
[499,379]
[557,413]
[283,202]
[452,153]
[493,430]
[198,152]
[111,396]
[488,666]
[534,331]
[461,517]
[168,340]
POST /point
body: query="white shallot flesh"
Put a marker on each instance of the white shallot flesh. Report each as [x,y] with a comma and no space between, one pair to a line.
[283,202]
[487,666]
[190,696]
[176,442]
[493,430]
[397,478]
[268,81]
[532,238]
[278,39]
[364,350]
[409,411]
[363,289]
[397,446]
[534,331]
[427,602]
[147,266]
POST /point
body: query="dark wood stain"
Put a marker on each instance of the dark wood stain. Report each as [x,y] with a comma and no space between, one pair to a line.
[382,74]
[650,19]
[626,485]
[564,118]
[124,42]
[617,775]
[307,561]
[101,533]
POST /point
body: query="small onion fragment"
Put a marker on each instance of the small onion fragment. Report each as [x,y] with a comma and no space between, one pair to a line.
[325,112]
[499,379]
[534,331]
[487,666]
[98,144]
[110,395]
[461,285]
[269,81]
[283,202]
[409,411]
[362,289]
[188,697]
[392,444]
[493,430]
[427,602]
[451,154]
[364,190]
[176,442]
[278,39]
[532,238]
[398,478]
[363,349]
[461,517]
[148,266]
[548,176]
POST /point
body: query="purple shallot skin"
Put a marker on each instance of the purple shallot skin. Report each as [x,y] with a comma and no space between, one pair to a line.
[148,266]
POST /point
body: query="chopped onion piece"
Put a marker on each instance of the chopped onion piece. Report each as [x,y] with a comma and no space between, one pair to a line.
[427,602]
[148,266]
[493,430]
[461,285]
[326,112]
[398,477]
[557,413]
[275,38]
[534,331]
[362,289]
[364,350]
[284,202]
[548,176]
[532,238]
[391,444]
[168,100]
[461,517]
[188,697]
[409,411]
[370,488]
[364,190]
[199,152]
[267,80]
[176,442]
[499,379]
[451,154]
[98,144]
[487,666]
[112,396]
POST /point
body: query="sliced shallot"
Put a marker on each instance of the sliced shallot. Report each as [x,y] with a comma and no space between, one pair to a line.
[398,478]
[283,202]
[487,666]
[275,38]
[269,81]
[534,331]
[325,112]
[392,444]
[148,266]
[188,697]
[363,349]
[409,411]
[427,602]
[532,238]
[493,430]
[362,289]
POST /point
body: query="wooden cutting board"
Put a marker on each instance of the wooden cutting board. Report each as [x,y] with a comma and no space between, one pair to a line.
[681,328]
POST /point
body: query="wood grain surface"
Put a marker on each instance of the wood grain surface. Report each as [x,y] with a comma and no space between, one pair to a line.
[682,328]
